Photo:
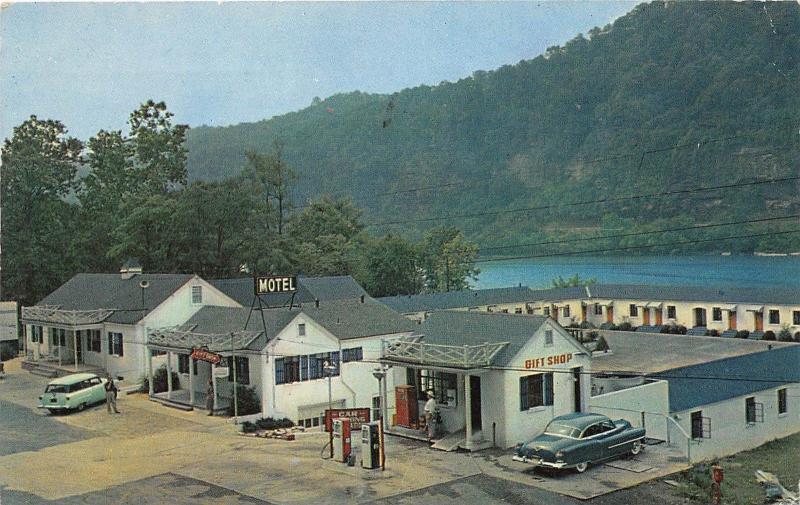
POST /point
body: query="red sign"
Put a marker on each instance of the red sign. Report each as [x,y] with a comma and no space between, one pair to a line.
[204,355]
[357,417]
[559,359]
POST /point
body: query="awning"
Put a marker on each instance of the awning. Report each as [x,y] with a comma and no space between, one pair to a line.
[754,308]
[179,339]
[655,305]
[604,303]
[729,308]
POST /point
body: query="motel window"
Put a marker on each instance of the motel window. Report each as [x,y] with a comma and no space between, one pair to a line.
[518,310]
[716,314]
[115,347]
[548,337]
[301,330]
[671,312]
[774,317]
[183,363]
[796,317]
[634,310]
[754,412]
[566,310]
[37,334]
[598,309]
[782,403]
[535,390]
[547,311]
[242,369]
[197,295]
[376,407]
[439,382]
[354,354]
[701,426]
[58,336]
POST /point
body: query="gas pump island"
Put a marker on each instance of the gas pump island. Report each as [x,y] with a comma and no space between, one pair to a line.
[371,450]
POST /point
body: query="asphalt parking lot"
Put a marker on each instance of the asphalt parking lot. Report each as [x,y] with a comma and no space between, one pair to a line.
[153,454]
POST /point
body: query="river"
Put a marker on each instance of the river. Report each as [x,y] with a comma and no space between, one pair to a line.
[722,271]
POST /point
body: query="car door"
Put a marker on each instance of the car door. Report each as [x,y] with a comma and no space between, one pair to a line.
[615,441]
[97,391]
[589,448]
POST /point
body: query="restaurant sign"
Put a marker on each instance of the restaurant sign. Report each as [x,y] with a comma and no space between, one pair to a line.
[357,417]
[206,355]
[275,284]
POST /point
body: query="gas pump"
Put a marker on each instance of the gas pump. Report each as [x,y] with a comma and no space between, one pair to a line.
[370,443]
[341,439]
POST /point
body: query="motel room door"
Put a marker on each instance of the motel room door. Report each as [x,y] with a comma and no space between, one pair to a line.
[475,397]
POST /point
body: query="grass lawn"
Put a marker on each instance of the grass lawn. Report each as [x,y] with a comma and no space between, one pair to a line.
[780,457]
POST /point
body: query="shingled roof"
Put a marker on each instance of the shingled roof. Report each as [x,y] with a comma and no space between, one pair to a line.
[476,328]
[309,289]
[89,291]
[457,299]
[351,318]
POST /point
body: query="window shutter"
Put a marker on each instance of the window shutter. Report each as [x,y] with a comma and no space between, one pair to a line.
[523,393]
[110,343]
[278,370]
[304,368]
[548,388]
[230,368]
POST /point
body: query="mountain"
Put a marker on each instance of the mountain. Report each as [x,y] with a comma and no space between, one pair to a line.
[671,96]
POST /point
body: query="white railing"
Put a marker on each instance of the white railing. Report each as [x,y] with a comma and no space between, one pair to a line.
[55,315]
[685,435]
[413,350]
[184,339]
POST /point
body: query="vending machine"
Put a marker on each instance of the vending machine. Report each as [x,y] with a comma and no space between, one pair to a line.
[370,446]
[341,439]
[406,405]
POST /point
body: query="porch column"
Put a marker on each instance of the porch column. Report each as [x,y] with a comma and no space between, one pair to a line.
[150,371]
[468,411]
[169,374]
[191,382]
[57,345]
[214,385]
[75,347]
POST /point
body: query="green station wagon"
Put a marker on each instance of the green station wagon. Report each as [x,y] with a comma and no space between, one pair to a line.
[73,392]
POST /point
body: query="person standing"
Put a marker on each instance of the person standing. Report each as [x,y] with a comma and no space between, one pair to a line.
[431,415]
[111,394]
[210,397]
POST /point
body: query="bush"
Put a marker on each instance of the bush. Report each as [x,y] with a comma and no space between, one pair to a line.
[666,329]
[742,334]
[712,333]
[247,401]
[269,423]
[160,381]
[769,335]
[680,329]
[785,335]
[797,337]
[586,325]
[626,326]
[602,345]
[593,335]
[248,427]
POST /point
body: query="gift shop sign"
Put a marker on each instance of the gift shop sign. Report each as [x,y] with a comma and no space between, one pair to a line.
[556,359]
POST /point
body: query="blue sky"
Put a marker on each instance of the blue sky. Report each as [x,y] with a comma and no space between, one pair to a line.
[90,64]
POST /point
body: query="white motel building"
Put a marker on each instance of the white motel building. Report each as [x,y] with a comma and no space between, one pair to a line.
[500,362]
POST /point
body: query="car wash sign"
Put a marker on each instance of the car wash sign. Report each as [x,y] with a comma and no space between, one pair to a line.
[357,417]
[275,284]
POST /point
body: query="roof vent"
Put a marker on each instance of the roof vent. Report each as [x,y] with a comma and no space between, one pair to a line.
[130,268]
[316,302]
[362,298]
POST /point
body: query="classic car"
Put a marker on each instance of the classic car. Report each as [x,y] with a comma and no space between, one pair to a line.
[71,392]
[579,439]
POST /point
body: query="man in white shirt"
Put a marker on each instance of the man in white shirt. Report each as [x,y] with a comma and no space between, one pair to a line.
[430,411]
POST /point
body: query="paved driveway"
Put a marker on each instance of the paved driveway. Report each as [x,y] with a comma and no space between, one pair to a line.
[22,429]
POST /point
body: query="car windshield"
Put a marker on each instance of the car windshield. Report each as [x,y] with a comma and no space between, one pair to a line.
[57,388]
[562,430]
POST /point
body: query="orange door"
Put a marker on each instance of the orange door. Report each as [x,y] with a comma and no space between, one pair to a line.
[759,321]
[645,316]
[610,314]
[659,316]
[583,313]
[555,313]
[731,320]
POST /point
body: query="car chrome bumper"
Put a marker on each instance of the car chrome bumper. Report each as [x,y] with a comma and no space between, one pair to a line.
[539,462]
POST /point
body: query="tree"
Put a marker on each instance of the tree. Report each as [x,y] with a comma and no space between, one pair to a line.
[574,281]
[39,165]
[272,181]
[157,146]
[329,236]
[147,232]
[390,267]
[447,260]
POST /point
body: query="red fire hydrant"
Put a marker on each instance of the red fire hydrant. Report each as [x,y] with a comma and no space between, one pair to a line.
[717,475]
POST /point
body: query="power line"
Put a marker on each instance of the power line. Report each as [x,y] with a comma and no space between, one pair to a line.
[639,233]
[589,202]
[643,246]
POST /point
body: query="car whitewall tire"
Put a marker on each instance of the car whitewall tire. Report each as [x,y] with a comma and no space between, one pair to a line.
[581,467]
[637,447]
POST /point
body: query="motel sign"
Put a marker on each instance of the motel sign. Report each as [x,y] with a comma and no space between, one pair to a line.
[275,284]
